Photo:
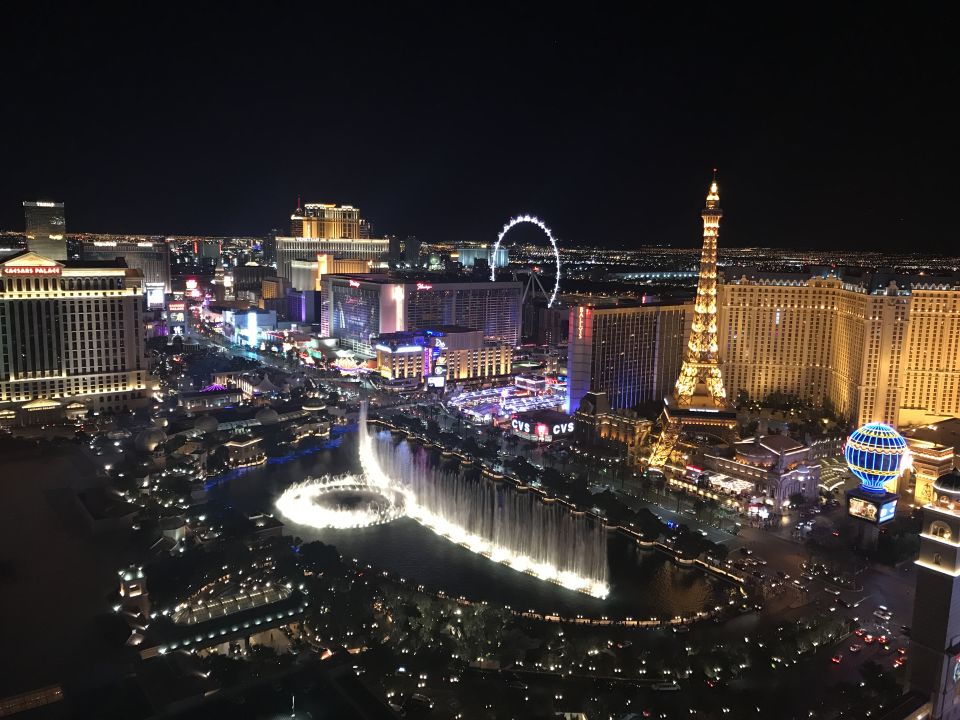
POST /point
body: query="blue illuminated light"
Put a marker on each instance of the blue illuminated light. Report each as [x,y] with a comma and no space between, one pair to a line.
[887,511]
[251,331]
[874,454]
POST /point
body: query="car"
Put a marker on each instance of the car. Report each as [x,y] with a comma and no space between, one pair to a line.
[899,661]
[666,686]
[419,701]
[882,639]
[859,632]
[837,659]
[855,648]
[868,639]
[901,651]
[833,591]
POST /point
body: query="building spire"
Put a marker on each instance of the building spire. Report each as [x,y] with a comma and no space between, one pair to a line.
[713,196]
[700,384]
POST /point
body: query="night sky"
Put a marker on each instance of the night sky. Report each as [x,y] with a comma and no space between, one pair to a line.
[828,130]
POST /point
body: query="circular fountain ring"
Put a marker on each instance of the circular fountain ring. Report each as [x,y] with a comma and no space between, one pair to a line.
[340,502]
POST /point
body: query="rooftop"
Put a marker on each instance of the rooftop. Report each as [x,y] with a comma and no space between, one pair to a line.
[946,432]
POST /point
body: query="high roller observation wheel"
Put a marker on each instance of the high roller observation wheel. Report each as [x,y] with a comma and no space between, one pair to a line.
[533,220]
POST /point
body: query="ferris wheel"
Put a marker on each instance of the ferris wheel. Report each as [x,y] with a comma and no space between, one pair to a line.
[534,280]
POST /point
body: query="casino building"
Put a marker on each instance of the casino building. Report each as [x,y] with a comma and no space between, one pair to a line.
[326,229]
[71,338]
[439,356]
[356,308]
[778,466]
[150,256]
[878,347]
[633,353]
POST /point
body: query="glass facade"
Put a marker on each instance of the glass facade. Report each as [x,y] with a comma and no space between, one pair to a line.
[493,308]
[46,229]
[632,354]
[355,315]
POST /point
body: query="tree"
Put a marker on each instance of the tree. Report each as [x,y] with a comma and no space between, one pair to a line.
[470,446]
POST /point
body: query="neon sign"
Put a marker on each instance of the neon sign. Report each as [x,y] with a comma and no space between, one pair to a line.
[582,314]
[177,306]
[424,286]
[43,270]
[541,429]
[353,283]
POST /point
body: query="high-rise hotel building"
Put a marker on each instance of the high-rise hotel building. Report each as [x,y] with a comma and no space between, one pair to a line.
[874,348]
[355,308]
[46,228]
[69,335]
[633,353]
[151,256]
[325,229]
[326,220]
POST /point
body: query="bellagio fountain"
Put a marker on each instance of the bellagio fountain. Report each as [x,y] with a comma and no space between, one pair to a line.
[498,519]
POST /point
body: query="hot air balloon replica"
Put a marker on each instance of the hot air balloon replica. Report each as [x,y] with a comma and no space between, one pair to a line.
[875,454]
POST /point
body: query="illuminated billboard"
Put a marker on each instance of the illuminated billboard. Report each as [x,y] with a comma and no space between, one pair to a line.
[876,511]
[863,509]
[887,511]
[545,428]
[154,295]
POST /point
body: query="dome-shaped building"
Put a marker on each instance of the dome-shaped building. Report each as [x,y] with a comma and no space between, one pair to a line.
[150,439]
[267,416]
[206,424]
[946,488]
[874,454]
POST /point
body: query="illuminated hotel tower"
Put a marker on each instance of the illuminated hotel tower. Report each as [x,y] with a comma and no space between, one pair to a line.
[935,633]
[699,398]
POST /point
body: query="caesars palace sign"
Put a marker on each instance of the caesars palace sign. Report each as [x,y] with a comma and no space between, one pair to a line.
[33,270]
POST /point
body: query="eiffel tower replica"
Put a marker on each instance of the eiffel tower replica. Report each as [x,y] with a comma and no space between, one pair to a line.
[699,401]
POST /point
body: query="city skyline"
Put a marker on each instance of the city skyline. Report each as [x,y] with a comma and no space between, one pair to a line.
[606,130]
[393,361]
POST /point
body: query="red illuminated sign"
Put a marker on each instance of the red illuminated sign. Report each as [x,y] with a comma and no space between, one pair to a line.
[541,430]
[353,283]
[34,270]
[582,314]
[424,286]
[177,306]
[191,284]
